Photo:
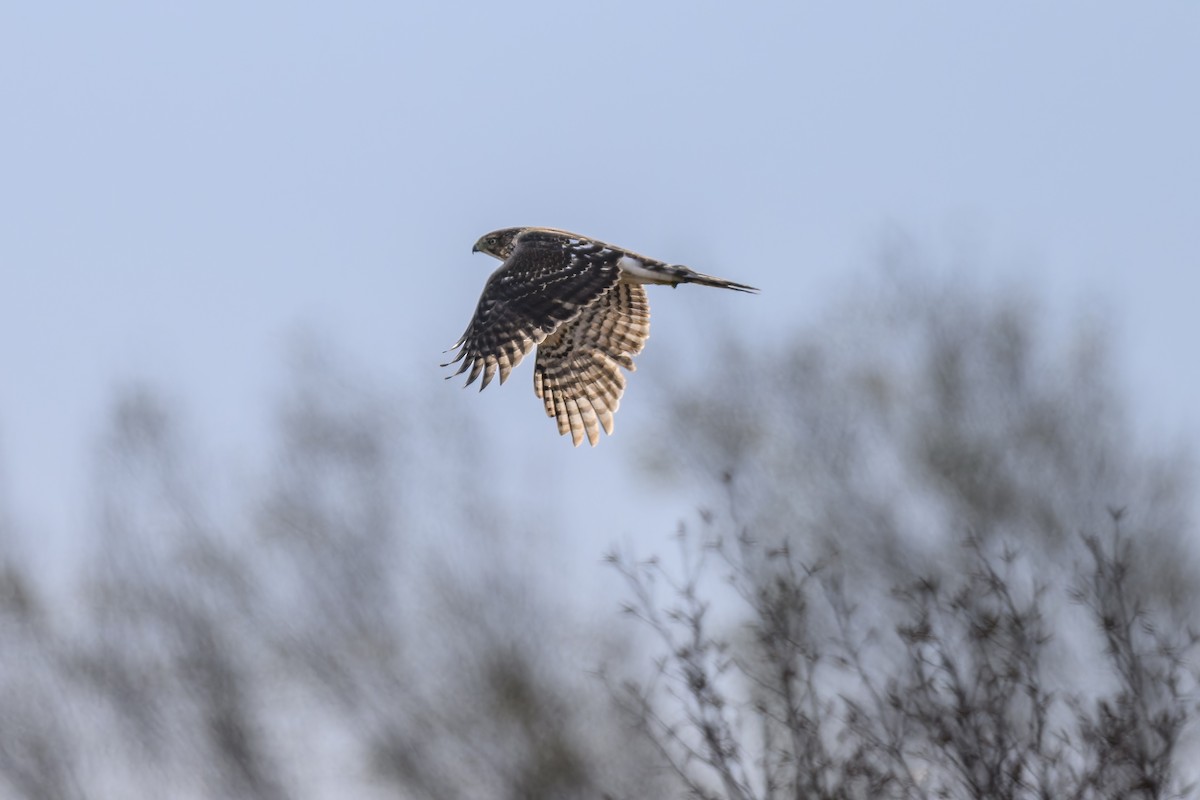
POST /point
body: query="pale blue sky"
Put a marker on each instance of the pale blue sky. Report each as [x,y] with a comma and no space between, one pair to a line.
[183,185]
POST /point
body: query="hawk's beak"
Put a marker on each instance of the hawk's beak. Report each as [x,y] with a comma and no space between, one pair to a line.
[474,249]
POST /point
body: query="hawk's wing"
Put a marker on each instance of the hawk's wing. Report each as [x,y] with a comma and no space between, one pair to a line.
[578,373]
[548,280]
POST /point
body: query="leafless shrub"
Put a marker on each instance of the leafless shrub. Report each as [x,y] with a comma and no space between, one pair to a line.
[807,699]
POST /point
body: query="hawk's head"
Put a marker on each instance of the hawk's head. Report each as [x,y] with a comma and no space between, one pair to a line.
[498,244]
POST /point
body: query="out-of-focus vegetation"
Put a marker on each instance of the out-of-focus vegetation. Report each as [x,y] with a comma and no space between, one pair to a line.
[930,560]
[350,632]
[935,562]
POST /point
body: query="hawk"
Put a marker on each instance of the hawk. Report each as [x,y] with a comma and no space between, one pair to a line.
[581,302]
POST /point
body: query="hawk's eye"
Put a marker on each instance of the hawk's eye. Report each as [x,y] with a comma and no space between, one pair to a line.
[491,240]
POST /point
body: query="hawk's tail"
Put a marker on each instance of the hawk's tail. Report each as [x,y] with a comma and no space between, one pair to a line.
[691,276]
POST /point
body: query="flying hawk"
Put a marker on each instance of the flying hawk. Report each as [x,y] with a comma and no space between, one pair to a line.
[581,303]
